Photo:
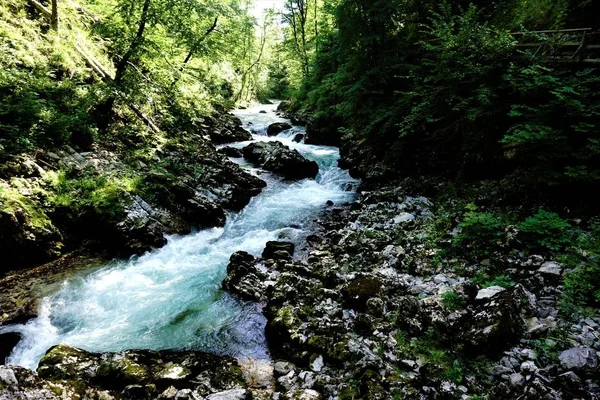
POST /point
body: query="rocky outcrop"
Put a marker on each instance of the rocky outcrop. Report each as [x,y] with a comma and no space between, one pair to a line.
[244,278]
[66,372]
[278,158]
[323,131]
[227,129]
[278,127]
[278,250]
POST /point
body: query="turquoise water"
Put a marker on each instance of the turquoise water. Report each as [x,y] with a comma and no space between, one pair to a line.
[171,298]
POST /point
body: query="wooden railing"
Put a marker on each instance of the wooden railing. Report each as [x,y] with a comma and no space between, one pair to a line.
[566,45]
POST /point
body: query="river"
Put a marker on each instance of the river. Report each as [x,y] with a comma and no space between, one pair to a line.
[171,298]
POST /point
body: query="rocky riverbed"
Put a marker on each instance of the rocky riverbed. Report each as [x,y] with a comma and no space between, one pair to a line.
[363,307]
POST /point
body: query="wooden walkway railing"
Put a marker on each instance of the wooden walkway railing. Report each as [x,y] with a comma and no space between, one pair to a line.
[566,45]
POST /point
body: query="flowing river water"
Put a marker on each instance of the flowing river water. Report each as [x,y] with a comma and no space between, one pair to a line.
[171,298]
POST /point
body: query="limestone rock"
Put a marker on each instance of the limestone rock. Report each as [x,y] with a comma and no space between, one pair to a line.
[278,158]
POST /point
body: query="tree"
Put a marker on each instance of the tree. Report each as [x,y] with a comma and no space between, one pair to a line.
[54,17]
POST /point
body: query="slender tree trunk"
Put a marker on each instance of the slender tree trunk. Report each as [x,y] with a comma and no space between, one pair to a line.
[139,37]
[194,49]
[54,17]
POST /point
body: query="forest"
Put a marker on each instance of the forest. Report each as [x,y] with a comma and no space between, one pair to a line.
[436,234]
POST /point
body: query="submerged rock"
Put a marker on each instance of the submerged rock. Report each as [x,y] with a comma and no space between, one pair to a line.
[278,158]
[278,127]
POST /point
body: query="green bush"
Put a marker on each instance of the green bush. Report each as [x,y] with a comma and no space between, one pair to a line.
[484,280]
[480,233]
[582,283]
[453,301]
[545,231]
[91,194]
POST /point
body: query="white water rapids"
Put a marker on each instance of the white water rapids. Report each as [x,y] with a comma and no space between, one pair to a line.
[171,298]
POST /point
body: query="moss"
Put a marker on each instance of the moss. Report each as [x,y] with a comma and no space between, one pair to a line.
[339,351]
[13,202]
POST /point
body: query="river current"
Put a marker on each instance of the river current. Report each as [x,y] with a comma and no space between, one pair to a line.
[171,298]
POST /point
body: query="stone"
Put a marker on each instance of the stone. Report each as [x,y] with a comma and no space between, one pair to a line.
[488,293]
[579,359]
[495,324]
[298,138]
[243,278]
[517,379]
[7,377]
[303,394]
[404,217]
[278,127]
[232,152]
[551,268]
[281,368]
[318,364]
[234,394]
[529,367]
[276,246]
[227,129]
[279,158]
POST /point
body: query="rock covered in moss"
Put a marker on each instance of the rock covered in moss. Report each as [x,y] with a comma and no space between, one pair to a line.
[66,372]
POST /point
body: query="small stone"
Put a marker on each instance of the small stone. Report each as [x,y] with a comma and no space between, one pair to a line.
[7,377]
[404,217]
[488,293]
[517,379]
[529,367]
[318,364]
[550,268]
[579,358]
[281,368]
[235,394]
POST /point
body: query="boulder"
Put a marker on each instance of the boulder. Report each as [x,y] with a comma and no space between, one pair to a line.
[228,129]
[488,293]
[273,247]
[494,325]
[360,290]
[583,359]
[298,138]
[141,372]
[243,278]
[278,158]
[232,152]
[278,127]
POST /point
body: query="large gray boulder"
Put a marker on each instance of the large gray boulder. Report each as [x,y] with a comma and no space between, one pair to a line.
[278,127]
[278,158]
[582,359]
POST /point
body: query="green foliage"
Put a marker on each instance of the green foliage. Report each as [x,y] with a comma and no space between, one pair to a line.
[39,111]
[105,196]
[484,280]
[582,283]
[555,130]
[453,301]
[545,230]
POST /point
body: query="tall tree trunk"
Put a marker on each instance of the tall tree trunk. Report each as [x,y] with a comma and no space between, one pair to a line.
[139,37]
[54,17]
[104,111]
[194,49]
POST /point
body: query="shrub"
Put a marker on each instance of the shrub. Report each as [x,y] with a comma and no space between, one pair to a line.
[545,231]
[582,284]
[453,301]
[480,233]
